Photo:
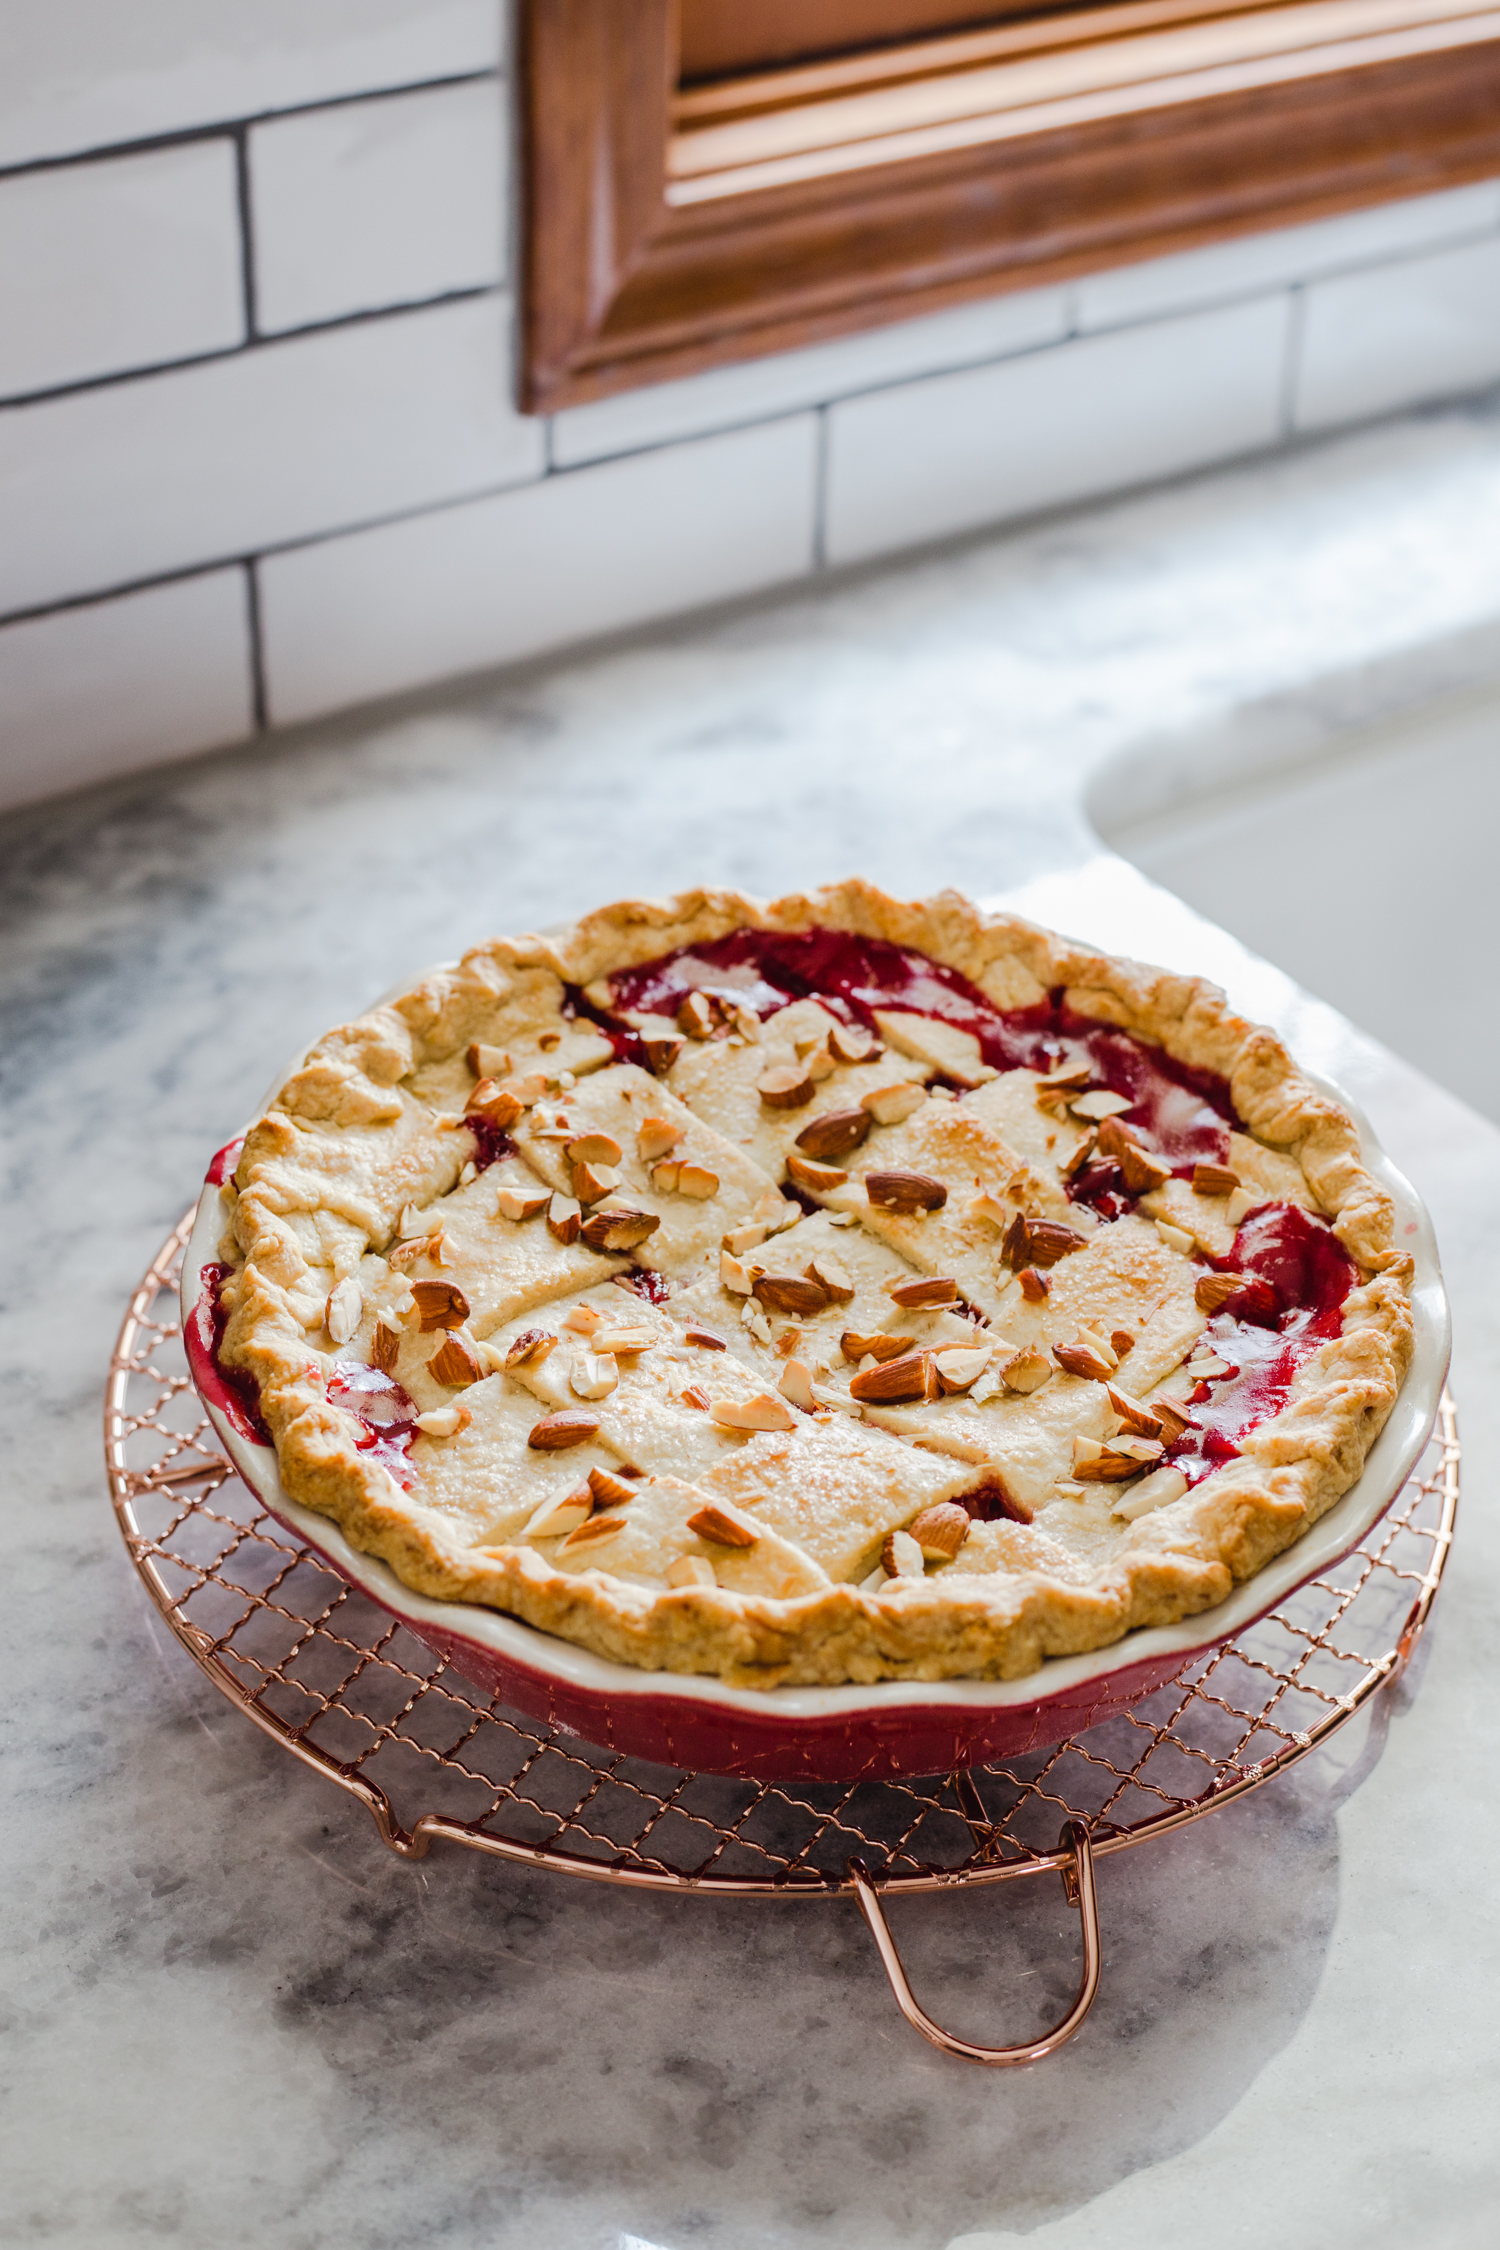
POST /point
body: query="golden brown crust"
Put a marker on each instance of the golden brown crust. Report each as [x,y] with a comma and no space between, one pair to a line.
[326,1173]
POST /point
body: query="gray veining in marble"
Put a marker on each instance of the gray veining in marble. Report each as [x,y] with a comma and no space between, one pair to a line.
[228,2013]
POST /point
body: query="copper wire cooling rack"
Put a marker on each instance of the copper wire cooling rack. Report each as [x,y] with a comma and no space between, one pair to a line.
[337,1681]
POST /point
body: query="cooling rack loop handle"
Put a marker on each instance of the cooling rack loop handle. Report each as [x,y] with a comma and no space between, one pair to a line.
[1078,1878]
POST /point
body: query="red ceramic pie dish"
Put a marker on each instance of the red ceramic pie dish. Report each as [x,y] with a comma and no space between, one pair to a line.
[842,1733]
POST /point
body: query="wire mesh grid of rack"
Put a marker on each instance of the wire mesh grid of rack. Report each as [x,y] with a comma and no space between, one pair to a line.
[355,1695]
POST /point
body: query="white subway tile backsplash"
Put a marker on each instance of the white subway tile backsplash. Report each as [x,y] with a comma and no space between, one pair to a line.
[92,692]
[103,487]
[496,579]
[959,337]
[377,203]
[82,74]
[120,264]
[1267,261]
[1089,416]
[1375,341]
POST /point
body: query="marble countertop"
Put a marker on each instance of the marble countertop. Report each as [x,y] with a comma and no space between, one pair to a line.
[229,2013]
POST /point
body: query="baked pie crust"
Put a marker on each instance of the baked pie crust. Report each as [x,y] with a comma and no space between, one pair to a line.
[891,1399]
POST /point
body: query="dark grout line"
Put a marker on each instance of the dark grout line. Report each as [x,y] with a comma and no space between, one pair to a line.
[183,136]
[257,645]
[247,231]
[252,344]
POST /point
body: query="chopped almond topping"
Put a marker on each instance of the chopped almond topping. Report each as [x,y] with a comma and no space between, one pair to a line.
[878,1347]
[760,1413]
[344,1309]
[788,1086]
[932,1291]
[1026,1371]
[661,1054]
[891,1381]
[444,1421]
[796,1383]
[619,1229]
[564,1218]
[891,1105]
[385,1346]
[555,1432]
[1098,1105]
[1175,1238]
[1214,1179]
[496,1104]
[1214,1290]
[609,1490]
[593,1181]
[901,1557]
[486,1062]
[818,1179]
[654,1136]
[691,1570]
[703,1338]
[906,1192]
[833,1134]
[941,1531]
[831,1277]
[1034,1286]
[789,1293]
[852,1043]
[520,1203]
[456,1364]
[697,1181]
[533,1344]
[440,1304]
[720,1528]
[696,1016]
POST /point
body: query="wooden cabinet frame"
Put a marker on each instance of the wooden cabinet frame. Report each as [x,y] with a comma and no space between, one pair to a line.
[666,232]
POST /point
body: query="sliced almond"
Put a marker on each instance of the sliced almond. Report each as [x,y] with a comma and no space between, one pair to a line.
[1141,1171]
[890,1105]
[444,1421]
[775,1210]
[1174,1418]
[789,1293]
[1026,1371]
[1082,1360]
[748,1237]
[440,1304]
[385,1345]
[1214,1179]
[593,1148]
[1081,1156]
[665,1175]
[1034,1285]
[555,1432]
[745,1020]
[831,1277]
[1066,1074]
[941,1531]
[563,1513]
[609,1490]
[906,1192]
[935,1289]
[1158,1490]
[591,1374]
[1175,1238]
[697,1181]
[960,1368]
[637,1339]
[344,1310]
[732,1274]
[991,1210]
[852,1043]
[797,1383]
[593,1532]
[691,1570]
[655,1136]
[891,1381]
[1108,1466]
[788,1086]
[498,1105]
[696,1016]
[878,1347]
[1121,1341]
[818,1179]
[486,1062]
[1096,1343]
[456,1364]
[591,1182]
[763,1412]
[1135,1417]
[721,1527]
[661,1053]
[901,1557]
[695,1396]
[530,1348]
[618,1229]
[521,1203]
[1139,1449]
[583,1320]
[564,1218]
[1098,1105]
[704,1338]
[833,1134]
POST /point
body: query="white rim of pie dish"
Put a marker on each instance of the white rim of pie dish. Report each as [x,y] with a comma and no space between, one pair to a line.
[1391,1460]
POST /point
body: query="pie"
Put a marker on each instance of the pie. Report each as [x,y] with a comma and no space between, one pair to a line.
[830,1290]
